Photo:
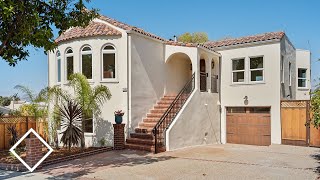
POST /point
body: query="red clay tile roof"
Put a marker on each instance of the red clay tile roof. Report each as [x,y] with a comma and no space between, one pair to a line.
[246,39]
[93,29]
[173,43]
[128,27]
[96,28]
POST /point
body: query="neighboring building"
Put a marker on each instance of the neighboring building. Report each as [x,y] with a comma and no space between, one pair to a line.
[303,58]
[4,110]
[145,73]
[15,105]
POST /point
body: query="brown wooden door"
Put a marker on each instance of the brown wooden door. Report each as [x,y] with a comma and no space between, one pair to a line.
[294,116]
[294,131]
[203,75]
[249,125]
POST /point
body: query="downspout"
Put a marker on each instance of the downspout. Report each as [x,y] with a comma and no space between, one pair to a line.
[128,83]
[220,107]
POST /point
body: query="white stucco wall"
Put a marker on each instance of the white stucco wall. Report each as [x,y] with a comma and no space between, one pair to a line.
[103,124]
[147,76]
[303,59]
[198,123]
[259,94]
[288,52]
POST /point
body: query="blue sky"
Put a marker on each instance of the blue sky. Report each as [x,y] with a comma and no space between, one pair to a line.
[232,18]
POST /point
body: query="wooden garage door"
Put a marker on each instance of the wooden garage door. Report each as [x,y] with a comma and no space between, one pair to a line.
[249,125]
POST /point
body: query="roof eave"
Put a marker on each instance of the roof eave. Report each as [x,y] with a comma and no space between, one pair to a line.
[247,44]
[209,51]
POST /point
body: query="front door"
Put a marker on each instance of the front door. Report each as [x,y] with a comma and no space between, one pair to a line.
[203,76]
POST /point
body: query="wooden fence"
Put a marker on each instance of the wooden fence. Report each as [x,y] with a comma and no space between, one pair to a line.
[295,115]
[23,124]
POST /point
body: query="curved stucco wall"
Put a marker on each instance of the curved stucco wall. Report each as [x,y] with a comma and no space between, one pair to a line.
[198,123]
[103,124]
[179,72]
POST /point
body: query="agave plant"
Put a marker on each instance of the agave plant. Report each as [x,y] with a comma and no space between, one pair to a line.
[71,114]
[13,133]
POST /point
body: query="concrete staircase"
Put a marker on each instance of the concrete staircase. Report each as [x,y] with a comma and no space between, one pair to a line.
[142,138]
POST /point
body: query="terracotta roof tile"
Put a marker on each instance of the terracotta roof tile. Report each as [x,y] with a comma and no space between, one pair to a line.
[93,29]
[129,27]
[246,39]
[173,43]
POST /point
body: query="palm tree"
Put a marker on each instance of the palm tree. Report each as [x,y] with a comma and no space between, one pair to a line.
[90,98]
[56,96]
[34,108]
[71,113]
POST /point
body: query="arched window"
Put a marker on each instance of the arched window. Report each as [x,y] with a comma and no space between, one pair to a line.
[69,63]
[58,66]
[109,62]
[86,62]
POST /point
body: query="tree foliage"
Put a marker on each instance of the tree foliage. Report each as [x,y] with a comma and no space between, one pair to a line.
[315,106]
[5,101]
[26,23]
[71,113]
[38,107]
[90,98]
[196,37]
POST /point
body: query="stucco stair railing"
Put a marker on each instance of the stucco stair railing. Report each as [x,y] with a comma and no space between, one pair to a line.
[168,116]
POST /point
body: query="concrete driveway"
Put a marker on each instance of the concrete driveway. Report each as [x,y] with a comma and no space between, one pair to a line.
[204,162]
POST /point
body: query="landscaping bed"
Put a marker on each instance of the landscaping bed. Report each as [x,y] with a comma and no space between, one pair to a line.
[9,162]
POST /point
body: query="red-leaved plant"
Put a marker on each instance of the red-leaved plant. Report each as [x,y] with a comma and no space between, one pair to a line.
[119,113]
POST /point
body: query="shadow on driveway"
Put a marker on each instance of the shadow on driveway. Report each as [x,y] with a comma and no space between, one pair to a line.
[113,159]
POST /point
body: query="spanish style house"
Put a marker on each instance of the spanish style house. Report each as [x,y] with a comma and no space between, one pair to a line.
[177,94]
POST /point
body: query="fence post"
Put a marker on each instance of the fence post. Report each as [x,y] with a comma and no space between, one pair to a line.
[308,120]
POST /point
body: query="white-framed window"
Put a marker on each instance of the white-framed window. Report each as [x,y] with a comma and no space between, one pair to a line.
[109,63]
[256,72]
[302,78]
[69,63]
[58,55]
[238,70]
[282,69]
[89,123]
[290,69]
[86,61]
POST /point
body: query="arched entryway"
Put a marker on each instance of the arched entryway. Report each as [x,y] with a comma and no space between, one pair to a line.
[203,76]
[179,72]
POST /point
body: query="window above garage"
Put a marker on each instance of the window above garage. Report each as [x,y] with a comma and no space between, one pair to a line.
[254,110]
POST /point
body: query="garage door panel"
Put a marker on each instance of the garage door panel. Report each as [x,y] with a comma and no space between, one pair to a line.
[249,128]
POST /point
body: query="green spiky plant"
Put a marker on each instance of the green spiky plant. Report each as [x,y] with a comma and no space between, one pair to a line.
[90,98]
[71,113]
[56,96]
[13,133]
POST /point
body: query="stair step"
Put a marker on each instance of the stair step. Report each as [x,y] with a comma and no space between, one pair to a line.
[158,111]
[164,102]
[170,98]
[147,124]
[154,115]
[139,147]
[151,120]
[141,135]
[140,141]
[143,130]
[160,106]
